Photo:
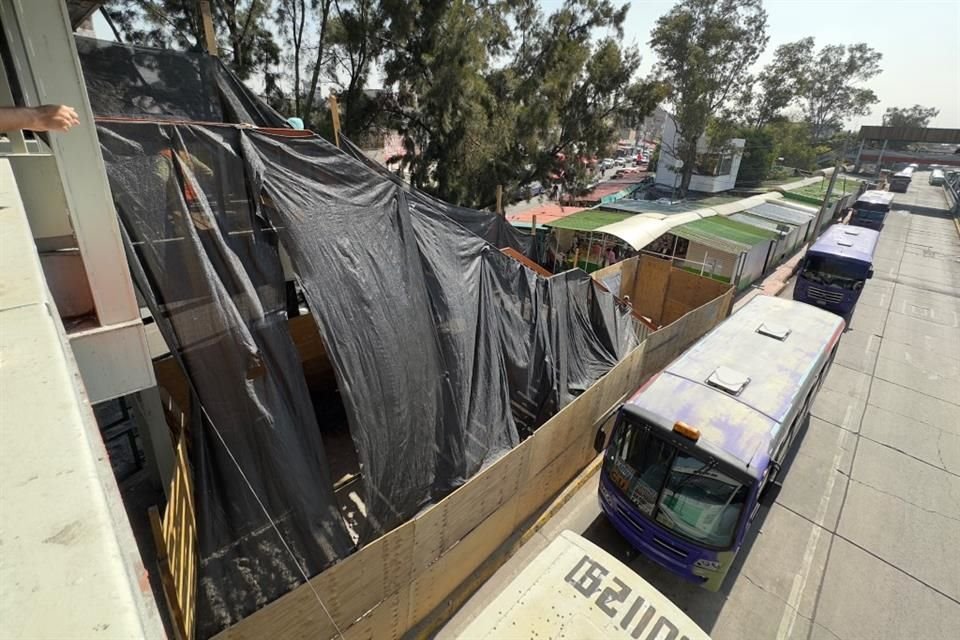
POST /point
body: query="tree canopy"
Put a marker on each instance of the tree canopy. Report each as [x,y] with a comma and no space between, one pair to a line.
[830,85]
[482,92]
[915,116]
[705,50]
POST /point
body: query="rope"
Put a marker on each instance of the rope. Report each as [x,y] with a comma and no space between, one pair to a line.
[273,524]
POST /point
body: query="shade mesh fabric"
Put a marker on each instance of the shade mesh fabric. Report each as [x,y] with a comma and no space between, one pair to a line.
[447,353]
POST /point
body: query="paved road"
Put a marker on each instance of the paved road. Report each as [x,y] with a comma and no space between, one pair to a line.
[863,541]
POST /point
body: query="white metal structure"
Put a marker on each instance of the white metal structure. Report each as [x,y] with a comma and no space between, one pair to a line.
[68,203]
[70,336]
[575,589]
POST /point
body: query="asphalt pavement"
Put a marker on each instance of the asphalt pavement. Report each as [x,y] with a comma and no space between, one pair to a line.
[864,540]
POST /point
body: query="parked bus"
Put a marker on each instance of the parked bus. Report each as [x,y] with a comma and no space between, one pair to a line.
[871,209]
[937,177]
[575,589]
[900,181]
[699,447]
[836,267]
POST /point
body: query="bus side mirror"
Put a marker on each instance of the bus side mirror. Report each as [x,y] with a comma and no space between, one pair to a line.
[770,494]
[599,441]
[870,273]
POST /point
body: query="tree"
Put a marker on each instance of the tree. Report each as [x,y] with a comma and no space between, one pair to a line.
[292,16]
[915,116]
[318,62]
[356,38]
[243,31]
[758,155]
[778,84]
[705,48]
[829,86]
[500,93]
[792,143]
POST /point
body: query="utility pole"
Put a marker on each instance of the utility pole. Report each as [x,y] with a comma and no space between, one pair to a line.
[335,116]
[826,197]
[209,35]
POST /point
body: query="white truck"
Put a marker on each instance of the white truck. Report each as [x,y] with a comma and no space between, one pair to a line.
[574,589]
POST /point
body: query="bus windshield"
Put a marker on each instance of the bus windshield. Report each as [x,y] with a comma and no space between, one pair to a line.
[825,269]
[681,492]
[871,214]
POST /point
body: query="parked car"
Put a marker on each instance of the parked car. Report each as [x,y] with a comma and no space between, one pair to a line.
[528,191]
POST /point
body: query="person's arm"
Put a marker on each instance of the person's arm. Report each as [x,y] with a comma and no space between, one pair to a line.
[49,117]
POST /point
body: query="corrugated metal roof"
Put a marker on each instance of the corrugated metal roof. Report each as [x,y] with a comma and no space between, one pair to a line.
[780,213]
[589,220]
[755,221]
[629,205]
[724,234]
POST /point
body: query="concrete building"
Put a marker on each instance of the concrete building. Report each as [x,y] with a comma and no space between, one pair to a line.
[716,171]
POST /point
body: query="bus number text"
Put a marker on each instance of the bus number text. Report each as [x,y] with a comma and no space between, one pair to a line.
[588,576]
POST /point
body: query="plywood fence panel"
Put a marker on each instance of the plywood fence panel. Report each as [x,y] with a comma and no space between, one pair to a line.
[554,436]
[381,622]
[349,589]
[175,393]
[396,581]
[687,291]
[650,287]
[628,275]
[317,368]
[435,583]
[445,523]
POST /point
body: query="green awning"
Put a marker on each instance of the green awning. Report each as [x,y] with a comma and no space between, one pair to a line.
[724,234]
[589,220]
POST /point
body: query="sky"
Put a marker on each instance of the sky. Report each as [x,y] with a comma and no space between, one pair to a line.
[919,40]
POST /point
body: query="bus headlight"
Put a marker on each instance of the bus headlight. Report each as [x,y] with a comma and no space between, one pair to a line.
[709,565]
[604,494]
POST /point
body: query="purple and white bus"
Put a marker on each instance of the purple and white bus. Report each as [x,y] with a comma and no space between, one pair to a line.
[836,267]
[871,209]
[699,447]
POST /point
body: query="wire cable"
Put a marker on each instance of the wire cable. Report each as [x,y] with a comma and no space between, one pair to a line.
[272,523]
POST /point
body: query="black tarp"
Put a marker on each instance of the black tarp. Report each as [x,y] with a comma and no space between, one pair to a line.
[491,227]
[447,352]
[212,278]
[162,84]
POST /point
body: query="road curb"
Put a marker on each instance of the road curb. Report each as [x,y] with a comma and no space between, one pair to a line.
[436,619]
[561,500]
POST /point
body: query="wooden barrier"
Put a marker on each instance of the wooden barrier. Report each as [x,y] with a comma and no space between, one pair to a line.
[175,537]
[660,291]
[400,579]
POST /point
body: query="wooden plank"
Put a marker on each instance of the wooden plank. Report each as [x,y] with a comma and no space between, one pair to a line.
[179,535]
[349,589]
[650,287]
[628,276]
[433,585]
[525,261]
[176,393]
[444,524]
[166,579]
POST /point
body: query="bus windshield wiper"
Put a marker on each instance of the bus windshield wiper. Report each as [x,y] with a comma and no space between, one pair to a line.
[703,470]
